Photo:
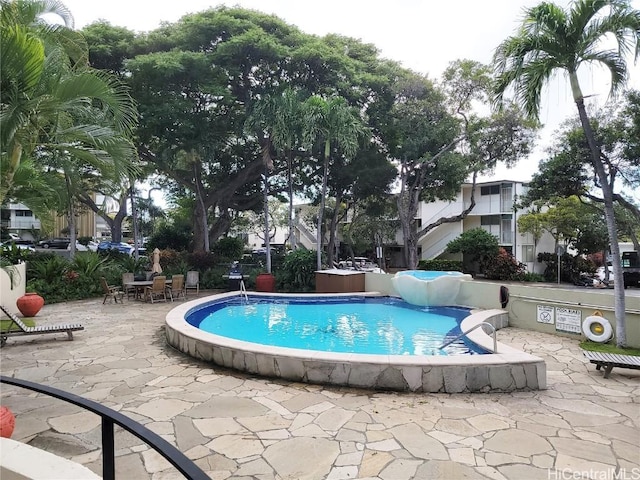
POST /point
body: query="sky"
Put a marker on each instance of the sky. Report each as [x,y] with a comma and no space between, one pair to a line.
[422,35]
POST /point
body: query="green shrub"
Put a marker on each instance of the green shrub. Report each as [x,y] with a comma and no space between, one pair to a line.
[170,236]
[200,260]
[228,249]
[49,269]
[212,278]
[84,240]
[533,277]
[440,265]
[14,255]
[297,273]
[570,267]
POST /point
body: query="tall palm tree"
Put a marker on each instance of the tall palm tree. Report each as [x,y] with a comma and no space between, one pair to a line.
[333,123]
[551,39]
[278,118]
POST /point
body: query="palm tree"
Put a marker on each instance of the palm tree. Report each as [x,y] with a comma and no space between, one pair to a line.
[280,117]
[55,110]
[552,39]
[333,123]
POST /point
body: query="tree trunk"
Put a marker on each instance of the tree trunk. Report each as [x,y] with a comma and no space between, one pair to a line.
[325,175]
[333,226]
[292,235]
[267,239]
[71,220]
[607,195]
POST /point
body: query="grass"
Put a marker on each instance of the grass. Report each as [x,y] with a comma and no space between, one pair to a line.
[4,324]
[608,348]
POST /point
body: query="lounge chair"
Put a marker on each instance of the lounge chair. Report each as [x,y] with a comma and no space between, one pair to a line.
[193,282]
[177,287]
[111,291]
[157,290]
[25,330]
[610,360]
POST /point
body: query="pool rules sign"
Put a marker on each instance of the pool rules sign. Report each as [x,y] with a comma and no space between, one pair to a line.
[568,320]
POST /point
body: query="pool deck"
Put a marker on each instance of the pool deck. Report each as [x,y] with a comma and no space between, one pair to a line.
[235,426]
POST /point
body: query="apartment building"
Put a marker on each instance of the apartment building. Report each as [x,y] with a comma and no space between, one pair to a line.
[495,211]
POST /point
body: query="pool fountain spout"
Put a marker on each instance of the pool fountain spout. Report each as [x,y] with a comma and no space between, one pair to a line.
[429,288]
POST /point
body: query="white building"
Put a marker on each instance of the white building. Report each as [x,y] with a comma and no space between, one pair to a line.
[17,218]
[494,211]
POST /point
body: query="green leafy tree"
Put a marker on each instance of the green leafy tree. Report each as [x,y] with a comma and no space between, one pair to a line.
[553,39]
[476,245]
[440,142]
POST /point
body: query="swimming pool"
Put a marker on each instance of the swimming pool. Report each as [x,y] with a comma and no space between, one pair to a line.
[356,324]
[509,369]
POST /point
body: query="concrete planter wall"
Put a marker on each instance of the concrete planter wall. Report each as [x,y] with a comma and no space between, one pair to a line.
[9,294]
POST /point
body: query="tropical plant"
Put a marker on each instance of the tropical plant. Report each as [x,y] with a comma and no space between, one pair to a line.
[297,273]
[56,111]
[552,39]
[333,124]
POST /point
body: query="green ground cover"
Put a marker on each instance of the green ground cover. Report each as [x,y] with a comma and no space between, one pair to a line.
[608,348]
[4,324]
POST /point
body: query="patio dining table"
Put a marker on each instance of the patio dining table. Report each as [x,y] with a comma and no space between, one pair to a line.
[140,286]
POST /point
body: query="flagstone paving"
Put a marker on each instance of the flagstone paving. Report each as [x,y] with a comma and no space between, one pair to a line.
[239,427]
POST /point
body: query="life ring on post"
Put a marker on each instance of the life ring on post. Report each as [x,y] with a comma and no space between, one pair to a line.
[504,296]
[597,328]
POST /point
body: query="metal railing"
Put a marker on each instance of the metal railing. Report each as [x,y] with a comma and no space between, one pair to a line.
[493,333]
[110,418]
[243,291]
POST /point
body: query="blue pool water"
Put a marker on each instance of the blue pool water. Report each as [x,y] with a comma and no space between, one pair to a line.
[369,325]
[428,274]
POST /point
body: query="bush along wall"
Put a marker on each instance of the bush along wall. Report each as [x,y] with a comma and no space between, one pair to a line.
[440,265]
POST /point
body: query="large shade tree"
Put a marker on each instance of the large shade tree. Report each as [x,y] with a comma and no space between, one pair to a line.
[552,39]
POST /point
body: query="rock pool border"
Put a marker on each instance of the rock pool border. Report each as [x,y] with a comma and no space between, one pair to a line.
[507,370]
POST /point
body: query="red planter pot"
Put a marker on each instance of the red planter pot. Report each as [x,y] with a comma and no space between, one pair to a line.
[265,282]
[30,304]
[7,422]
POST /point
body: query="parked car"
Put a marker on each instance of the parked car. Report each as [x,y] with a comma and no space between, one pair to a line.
[92,246]
[119,246]
[21,244]
[362,263]
[79,247]
[58,242]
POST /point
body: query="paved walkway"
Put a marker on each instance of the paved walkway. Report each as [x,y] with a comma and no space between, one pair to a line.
[238,427]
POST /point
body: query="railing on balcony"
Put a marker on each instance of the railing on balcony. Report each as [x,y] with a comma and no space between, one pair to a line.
[110,418]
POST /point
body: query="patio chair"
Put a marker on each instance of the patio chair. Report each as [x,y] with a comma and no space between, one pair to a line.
[177,287]
[111,291]
[25,330]
[157,290]
[193,282]
[129,290]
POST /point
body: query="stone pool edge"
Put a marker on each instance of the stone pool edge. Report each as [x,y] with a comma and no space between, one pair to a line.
[508,370]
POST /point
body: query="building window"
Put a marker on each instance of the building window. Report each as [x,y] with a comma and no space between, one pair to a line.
[490,190]
[528,254]
[24,213]
[489,220]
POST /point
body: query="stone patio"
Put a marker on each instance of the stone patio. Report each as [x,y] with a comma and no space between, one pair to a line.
[239,427]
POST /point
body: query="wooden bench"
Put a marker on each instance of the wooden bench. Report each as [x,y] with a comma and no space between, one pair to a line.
[610,360]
